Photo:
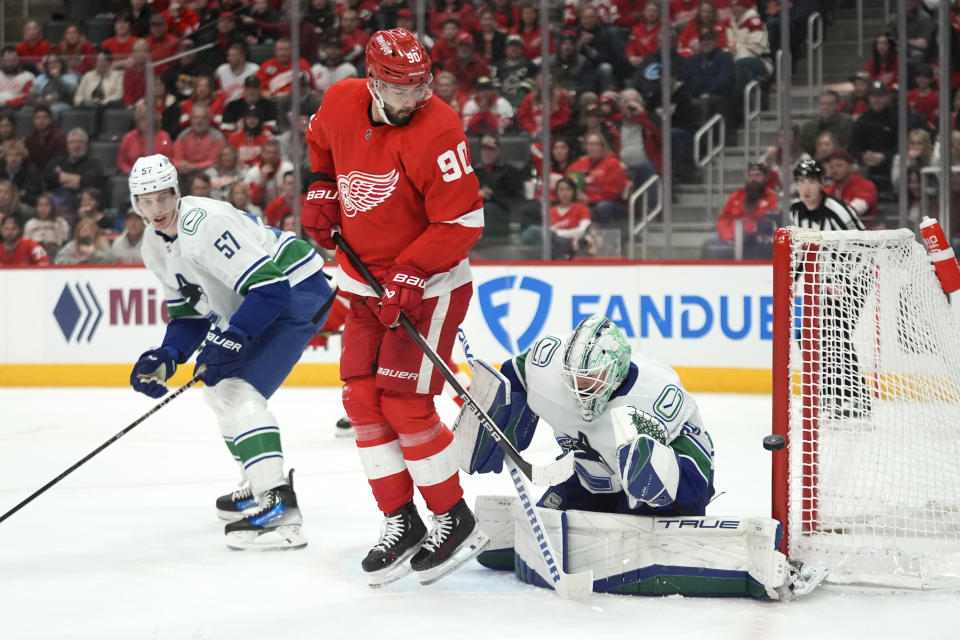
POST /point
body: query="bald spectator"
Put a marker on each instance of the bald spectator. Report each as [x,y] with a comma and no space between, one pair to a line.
[17,251]
[276,74]
[15,81]
[162,43]
[134,143]
[197,148]
[850,187]
[830,119]
[446,88]
[69,174]
[45,141]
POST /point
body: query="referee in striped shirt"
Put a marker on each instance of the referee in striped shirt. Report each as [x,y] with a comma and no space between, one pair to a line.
[815,209]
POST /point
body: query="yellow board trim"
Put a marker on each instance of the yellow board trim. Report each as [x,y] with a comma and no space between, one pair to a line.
[695,379]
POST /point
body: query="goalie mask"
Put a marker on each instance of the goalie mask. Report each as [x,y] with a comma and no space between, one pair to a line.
[595,362]
[398,74]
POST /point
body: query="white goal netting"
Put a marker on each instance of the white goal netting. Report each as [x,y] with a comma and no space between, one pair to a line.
[874,411]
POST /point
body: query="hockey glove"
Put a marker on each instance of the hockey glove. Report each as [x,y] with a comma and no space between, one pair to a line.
[402,291]
[321,213]
[152,371]
[223,354]
[649,471]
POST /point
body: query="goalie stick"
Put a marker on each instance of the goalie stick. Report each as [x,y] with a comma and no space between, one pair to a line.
[552,473]
[567,585]
[106,444]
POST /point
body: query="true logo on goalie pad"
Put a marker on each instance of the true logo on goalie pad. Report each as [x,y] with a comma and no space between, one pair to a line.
[699,523]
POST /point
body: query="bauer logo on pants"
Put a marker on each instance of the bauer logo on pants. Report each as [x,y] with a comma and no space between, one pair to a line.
[506,305]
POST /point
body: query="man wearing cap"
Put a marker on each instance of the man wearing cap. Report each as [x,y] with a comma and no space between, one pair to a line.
[854,190]
[515,72]
[830,119]
[486,112]
[468,65]
[708,75]
[252,95]
[162,44]
[567,67]
[856,103]
[500,187]
[874,139]
[751,204]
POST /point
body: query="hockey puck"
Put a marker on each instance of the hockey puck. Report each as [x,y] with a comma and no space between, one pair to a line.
[774,442]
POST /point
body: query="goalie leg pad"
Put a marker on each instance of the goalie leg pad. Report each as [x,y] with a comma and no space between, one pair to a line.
[495,517]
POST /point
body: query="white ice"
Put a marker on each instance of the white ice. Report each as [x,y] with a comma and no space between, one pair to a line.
[128,547]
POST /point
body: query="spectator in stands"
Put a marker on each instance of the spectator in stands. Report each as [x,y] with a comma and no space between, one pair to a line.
[232,73]
[800,12]
[604,180]
[830,119]
[923,102]
[914,195]
[15,81]
[252,96]
[490,41]
[91,207]
[593,122]
[500,188]
[333,68]
[298,131]
[140,13]
[487,111]
[645,36]
[249,139]
[683,12]
[515,72]
[77,52]
[197,147]
[641,147]
[224,173]
[201,186]
[756,205]
[709,76]
[856,104]
[705,20]
[134,143]
[101,87]
[322,14]
[569,69]
[69,174]
[598,43]
[874,138]
[7,126]
[88,246]
[507,16]
[180,77]
[203,92]
[850,187]
[282,205]
[260,12]
[353,38]
[569,224]
[827,143]
[405,20]
[16,167]
[239,197]
[921,31]
[182,20]
[445,47]
[882,65]
[266,176]
[167,108]
[46,227]
[530,114]
[54,87]
[17,251]
[561,156]
[33,49]
[135,77]
[276,74]
[162,43]
[120,45]
[772,158]
[46,141]
[125,248]
[222,36]
[10,204]
[953,114]
[529,29]
[921,153]
[468,66]
[446,88]
[460,10]
[749,44]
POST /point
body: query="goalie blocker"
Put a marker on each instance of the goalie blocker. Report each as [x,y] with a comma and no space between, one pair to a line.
[643,555]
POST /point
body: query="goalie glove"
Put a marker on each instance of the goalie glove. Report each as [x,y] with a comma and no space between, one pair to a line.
[152,370]
[649,471]
[479,453]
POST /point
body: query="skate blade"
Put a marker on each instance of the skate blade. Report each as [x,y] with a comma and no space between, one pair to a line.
[345,433]
[400,568]
[279,538]
[470,548]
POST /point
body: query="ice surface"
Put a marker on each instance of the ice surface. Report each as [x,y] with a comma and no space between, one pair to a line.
[129,547]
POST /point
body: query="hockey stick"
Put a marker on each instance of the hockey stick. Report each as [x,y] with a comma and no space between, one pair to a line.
[552,473]
[567,585]
[106,444]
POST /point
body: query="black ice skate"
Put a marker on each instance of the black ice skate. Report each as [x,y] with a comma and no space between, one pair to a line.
[238,504]
[344,428]
[400,536]
[275,525]
[453,540]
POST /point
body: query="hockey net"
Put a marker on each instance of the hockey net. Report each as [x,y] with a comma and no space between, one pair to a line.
[867,393]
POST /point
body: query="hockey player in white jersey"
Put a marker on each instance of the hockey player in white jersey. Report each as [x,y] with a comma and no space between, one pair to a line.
[641,451]
[253,296]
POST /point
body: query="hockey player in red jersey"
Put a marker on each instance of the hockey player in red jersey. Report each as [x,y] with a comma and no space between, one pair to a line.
[392,171]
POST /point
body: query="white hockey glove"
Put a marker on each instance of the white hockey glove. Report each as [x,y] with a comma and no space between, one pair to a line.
[649,471]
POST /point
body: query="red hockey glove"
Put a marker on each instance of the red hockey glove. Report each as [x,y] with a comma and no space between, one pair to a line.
[402,291]
[321,213]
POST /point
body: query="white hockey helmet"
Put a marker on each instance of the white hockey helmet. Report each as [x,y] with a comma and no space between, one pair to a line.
[595,363]
[150,174]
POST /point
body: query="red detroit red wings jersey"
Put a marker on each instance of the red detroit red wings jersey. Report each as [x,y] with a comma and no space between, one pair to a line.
[408,195]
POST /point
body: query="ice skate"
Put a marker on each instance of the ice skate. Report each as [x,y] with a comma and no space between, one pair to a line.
[238,504]
[275,525]
[344,428]
[454,539]
[801,580]
[400,536]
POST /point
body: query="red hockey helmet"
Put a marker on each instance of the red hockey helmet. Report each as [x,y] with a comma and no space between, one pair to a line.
[397,57]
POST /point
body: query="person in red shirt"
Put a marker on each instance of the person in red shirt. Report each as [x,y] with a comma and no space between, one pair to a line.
[924,100]
[569,222]
[392,171]
[683,11]
[468,65]
[604,179]
[645,35]
[529,30]
[446,45]
[33,49]
[77,52]
[706,20]
[181,20]
[751,204]
[134,143]
[443,10]
[248,140]
[276,74]
[17,251]
[530,113]
[283,203]
[352,37]
[162,43]
[120,45]
[857,192]
[882,65]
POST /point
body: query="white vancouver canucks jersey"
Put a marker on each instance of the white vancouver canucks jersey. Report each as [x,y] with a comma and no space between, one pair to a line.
[219,254]
[651,387]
